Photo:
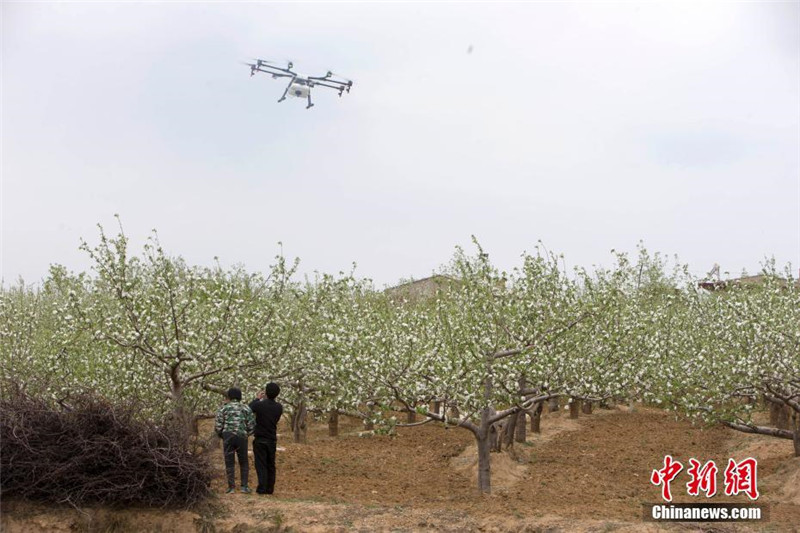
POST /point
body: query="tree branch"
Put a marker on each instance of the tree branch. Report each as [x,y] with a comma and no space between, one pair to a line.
[760,430]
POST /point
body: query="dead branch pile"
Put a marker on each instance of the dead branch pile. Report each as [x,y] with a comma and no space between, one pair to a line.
[95,452]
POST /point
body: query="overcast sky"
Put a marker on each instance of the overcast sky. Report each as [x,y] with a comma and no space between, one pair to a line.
[590,126]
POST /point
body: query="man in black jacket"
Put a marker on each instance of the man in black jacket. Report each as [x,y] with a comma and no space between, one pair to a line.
[265,441]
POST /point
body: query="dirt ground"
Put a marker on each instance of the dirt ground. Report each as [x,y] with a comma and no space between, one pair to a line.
[590,474]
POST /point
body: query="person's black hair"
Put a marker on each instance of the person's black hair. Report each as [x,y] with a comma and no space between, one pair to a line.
[272,390]
[235,394]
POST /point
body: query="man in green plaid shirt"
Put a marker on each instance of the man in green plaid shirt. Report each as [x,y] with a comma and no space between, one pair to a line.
[234,422]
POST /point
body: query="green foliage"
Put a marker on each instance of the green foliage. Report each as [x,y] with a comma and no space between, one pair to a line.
[173,336]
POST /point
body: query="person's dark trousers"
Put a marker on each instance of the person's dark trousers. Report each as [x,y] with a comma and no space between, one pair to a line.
[264,454]
[235,444]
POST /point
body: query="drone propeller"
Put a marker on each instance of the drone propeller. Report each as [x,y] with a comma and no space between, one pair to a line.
[331,73]
[251,65]
[260,62]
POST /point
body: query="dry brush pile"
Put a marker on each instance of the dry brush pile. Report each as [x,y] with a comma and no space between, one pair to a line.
[96,452]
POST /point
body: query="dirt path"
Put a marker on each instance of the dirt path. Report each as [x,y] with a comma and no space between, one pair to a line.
[586,474]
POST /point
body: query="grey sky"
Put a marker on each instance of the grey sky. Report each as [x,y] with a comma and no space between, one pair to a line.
[590,126]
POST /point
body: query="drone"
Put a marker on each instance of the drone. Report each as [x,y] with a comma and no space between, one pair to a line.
[300,86]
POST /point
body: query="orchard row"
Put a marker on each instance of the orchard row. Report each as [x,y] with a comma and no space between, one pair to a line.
[478,350]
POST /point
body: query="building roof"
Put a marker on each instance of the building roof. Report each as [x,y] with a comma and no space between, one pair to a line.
[716,285]
[424,287]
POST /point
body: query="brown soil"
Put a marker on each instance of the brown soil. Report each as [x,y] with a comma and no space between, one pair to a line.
[590,474]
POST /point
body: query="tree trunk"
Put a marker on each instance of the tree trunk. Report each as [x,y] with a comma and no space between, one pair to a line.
[495,438]
[774,413]
[797,443]
[333,423]
[574,408]
[521,435]
[509,430]
[536,418]
[412,416]
[299,423]
[778,415]
[485,435]
[484,462]
[179,411]
[435,406]
[553,404]
[631,405]
[796,439]
[454,412]
[587,408]
[369,425]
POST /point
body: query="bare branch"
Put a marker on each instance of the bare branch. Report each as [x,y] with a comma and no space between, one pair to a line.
[759,430]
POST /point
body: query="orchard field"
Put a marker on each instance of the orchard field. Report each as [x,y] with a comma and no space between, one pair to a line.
[576,475]
[531,399]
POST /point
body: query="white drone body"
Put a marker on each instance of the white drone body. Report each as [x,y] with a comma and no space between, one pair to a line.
[299,90]
[300,86]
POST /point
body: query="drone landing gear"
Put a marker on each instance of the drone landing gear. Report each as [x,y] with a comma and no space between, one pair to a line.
[286,90]
[310,105]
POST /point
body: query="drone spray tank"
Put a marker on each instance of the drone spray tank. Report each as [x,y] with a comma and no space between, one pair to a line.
[299,89]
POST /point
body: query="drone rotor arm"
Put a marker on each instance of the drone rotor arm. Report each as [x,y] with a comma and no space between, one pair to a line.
[329,84]
[322,84]
[276,74]
[263,66]
[332,78]
[333,81]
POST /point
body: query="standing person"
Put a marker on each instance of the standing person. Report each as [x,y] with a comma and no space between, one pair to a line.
[267,412]
[234,422]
